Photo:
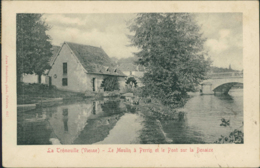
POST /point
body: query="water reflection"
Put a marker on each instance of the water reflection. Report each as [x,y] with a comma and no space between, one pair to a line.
[65,119]
[181,116]
[202,117]
[180,132]
[126,130]
[85,122]
[109,121]
[94,108]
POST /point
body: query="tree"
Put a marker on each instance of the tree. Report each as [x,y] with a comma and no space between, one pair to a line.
[33,45]
[132,82]
[171,50]
[110,84]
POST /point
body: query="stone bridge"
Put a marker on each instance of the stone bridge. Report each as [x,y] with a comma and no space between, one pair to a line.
[220,83]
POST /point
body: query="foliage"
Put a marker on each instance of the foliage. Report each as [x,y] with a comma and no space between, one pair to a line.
[138,92]
[33,45]
[132,82]
[171,50]
[225,122]
[236,137]
[111,107]
[110,84]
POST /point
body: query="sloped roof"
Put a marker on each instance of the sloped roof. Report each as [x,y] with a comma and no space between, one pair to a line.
[55,50]
[94,59]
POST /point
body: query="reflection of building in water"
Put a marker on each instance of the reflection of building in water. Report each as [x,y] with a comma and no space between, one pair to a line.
[97,129]
[65,119]
[64,123]
[99,125]
[69,120]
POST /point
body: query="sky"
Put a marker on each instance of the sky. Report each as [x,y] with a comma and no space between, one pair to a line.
[223,32]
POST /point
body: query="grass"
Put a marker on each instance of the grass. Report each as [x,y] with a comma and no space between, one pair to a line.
[33,93]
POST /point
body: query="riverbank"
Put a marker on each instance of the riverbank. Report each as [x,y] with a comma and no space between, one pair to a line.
[153,114]
[42,94]
[38,93]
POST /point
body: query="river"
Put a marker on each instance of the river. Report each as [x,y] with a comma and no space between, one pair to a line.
[111,121]
[203,118]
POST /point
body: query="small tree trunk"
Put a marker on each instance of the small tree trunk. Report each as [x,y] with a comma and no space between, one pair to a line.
[19,83]
[19,78]
[39,78]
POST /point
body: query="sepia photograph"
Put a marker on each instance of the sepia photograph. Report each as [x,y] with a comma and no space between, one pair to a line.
[129,78]
[130,83]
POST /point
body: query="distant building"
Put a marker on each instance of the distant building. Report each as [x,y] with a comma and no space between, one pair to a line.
[33,78]
[81,68]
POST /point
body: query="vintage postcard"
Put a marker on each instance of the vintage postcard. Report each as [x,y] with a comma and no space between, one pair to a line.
[130,84]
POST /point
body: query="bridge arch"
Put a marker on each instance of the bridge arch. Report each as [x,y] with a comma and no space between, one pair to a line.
[220,85]
[225,87]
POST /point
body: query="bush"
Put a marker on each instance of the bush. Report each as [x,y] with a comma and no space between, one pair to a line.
[236,137]
[132,82]
[140,92]
[110,84]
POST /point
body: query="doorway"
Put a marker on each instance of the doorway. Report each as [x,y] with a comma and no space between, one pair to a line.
[50,81]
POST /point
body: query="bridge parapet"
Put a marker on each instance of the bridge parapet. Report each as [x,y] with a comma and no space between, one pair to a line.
[225,75]
[220,84]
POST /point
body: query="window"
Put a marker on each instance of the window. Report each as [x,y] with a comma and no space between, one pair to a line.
[64,81]
[65,68]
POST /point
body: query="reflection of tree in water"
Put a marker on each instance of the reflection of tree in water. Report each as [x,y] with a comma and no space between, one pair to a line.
[180,133]
[33,133]
[130,108]
[181,116]
[111,107]
[33,127]
[94,108]
[174,131]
